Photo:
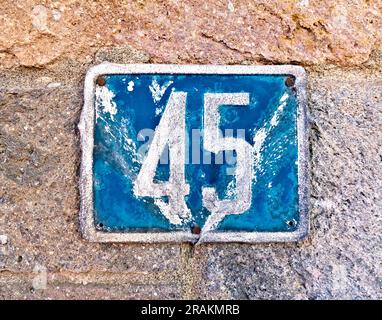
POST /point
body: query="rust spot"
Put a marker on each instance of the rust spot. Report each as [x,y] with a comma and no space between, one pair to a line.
[196,229]
[101,81]
[290,81]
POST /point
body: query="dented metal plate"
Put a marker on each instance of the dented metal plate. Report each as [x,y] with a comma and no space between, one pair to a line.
[194,153]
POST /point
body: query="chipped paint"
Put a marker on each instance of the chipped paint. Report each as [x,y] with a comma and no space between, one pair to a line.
[157,91]
[104,98]
[130,86]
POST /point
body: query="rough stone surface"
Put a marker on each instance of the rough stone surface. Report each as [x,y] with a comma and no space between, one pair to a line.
[46,48]
[69,287]
[39,33]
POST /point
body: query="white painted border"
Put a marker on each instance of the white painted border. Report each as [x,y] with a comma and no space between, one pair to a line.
[86,127]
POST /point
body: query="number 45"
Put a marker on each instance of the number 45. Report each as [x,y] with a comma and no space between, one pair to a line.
[171,130]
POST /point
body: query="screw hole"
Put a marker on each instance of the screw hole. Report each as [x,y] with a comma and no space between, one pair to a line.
[290,81]
[291,223]
[196,229]
[101,81]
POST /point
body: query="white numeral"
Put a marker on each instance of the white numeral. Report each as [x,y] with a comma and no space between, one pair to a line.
[214,143]
[171,131]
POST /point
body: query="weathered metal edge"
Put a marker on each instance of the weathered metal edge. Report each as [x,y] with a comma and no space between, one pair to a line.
[86,128]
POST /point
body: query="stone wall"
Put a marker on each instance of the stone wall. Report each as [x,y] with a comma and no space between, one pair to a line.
[46,48]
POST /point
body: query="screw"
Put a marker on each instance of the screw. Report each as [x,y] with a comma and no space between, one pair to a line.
[101,81]
[290,81]
[196,229]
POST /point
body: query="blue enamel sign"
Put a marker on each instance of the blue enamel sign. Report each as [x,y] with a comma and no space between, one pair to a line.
[194,153]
